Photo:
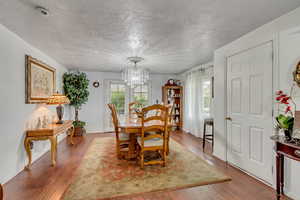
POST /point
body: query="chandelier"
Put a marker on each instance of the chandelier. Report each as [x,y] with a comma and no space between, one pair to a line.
[132,75]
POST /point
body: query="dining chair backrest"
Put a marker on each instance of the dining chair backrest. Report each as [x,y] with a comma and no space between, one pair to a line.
[131,109]
[170,112]
[114,116]
[156,124]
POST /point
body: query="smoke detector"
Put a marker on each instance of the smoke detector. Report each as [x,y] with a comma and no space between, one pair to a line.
[42,10]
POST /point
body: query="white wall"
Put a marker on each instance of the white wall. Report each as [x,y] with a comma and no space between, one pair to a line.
[282,78]
[93,112]
[15,115]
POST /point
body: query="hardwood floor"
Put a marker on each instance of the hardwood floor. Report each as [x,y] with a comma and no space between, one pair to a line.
[44,182]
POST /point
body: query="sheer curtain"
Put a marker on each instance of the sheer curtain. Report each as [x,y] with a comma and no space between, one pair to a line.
[194,113]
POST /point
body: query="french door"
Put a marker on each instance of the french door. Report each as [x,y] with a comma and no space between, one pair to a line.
[249,111]
[119,94]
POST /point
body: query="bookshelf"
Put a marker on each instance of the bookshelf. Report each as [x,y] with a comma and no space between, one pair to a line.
[174,95]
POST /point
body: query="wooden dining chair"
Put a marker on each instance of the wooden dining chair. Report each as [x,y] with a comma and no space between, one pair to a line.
[157,140]
[170,117]
[131,109]
[122,139]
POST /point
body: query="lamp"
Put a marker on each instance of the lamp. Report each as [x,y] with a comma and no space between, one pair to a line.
[58,99]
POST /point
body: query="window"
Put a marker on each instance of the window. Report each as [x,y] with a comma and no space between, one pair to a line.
[140,94]
[117,97]
[119,94]
[206,98]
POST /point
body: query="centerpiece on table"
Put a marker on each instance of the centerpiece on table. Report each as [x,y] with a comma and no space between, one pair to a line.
[285,109]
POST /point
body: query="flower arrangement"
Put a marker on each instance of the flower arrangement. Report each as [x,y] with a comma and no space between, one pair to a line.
[285,118]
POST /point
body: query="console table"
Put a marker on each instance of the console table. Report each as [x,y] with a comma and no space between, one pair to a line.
[50,132]
[283,148]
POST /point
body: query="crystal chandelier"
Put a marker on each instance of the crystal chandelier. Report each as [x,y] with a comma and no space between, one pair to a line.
[132,75]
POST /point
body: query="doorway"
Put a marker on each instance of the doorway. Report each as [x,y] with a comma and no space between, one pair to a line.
[249,110]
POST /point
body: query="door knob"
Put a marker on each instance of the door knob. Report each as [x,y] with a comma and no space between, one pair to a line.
[228,118]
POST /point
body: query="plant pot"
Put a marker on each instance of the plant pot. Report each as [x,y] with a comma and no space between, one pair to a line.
[288,134]
[79,131]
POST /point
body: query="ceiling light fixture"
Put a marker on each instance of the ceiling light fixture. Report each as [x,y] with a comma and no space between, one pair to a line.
[132,75]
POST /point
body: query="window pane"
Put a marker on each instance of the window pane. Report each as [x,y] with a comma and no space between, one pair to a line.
[118,97]
[140,94]
[144,88]
[121,87]
[113,87]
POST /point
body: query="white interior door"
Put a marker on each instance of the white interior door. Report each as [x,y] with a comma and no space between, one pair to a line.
[249,111]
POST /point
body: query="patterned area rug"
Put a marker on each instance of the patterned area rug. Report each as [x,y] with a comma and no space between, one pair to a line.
[101,175]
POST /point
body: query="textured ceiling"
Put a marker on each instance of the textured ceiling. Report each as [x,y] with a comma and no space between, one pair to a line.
[172,35]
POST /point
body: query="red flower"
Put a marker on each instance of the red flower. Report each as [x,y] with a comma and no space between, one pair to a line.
[282,97]
[284,100]
[279,92]
[288,109]
[278,98]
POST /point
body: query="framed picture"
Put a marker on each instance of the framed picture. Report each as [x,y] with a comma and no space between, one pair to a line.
[40,81]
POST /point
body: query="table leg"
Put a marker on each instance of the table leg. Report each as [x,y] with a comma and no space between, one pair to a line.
[28,151]
[279,175]
[53,140]
[131,147]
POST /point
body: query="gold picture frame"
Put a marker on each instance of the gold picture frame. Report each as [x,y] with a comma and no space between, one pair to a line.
[40,81]
[296,74]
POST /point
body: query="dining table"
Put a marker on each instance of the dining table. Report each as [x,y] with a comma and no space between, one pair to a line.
[133,127]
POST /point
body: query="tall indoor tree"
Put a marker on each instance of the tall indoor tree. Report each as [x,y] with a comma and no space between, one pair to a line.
[76,89]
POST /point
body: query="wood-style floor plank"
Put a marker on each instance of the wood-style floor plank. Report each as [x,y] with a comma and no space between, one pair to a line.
[49,183]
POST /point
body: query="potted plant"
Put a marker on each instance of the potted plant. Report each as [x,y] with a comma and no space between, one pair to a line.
[285,118]
[76,89]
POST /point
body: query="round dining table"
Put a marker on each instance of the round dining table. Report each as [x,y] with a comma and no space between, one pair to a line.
[133,127]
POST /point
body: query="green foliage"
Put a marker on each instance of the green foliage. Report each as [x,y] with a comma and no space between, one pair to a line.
[118,99]
[76,88]
[285,122]
[142,100]
[79,124]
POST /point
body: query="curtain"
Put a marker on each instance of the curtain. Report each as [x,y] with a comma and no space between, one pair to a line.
[194,114]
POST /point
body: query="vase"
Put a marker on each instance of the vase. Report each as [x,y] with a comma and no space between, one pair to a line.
[288,134]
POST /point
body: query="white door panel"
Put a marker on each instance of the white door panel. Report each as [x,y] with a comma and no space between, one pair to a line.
[249,105]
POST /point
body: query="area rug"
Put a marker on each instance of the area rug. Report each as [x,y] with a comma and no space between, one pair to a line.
[101,175]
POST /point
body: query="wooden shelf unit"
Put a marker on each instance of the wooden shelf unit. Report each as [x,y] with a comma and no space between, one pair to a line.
[174,94]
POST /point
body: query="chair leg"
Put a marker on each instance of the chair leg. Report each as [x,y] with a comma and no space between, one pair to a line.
[164,157]
[118,150]
[204,136]
[168,141]
[142,159]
